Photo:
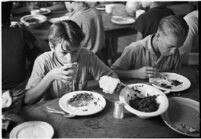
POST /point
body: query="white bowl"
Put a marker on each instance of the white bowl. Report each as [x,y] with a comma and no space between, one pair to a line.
[41,19]
[146,90]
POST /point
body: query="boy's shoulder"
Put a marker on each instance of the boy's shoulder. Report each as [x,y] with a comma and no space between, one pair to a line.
[138,45]
[45,56]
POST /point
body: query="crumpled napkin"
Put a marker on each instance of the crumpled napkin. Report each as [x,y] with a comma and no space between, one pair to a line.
[6,99]
[108,84]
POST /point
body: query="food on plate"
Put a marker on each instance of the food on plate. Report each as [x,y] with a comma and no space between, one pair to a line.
[43,11]
[119,19]
[186,128]
[146,104]
[80,100]
[31,20]
[175,82]
[164,85]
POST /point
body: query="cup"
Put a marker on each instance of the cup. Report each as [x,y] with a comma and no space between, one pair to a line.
[108,8]
[73,66]
[118,110]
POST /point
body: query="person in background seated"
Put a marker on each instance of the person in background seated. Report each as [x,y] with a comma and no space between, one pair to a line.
[18,47]
[53,73]
[90,21]
[157,52]
[147,23]
[26,7]
[191,46]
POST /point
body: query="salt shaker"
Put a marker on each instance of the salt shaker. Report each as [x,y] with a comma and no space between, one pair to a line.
[118,110]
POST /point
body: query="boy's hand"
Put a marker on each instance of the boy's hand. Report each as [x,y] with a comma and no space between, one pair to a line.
[146,72]
[64,73]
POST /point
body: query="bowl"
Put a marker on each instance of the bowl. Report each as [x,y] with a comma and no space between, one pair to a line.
[33,20]
[143,90]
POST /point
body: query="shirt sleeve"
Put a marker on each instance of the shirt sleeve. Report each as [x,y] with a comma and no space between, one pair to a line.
[127,59]
[37,74]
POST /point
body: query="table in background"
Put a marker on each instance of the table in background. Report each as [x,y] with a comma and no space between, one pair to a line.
[102,124]
[112,31]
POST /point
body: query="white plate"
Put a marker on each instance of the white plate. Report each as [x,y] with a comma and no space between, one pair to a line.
[183,111]
[96,105]
[41,19]
[122,20]
[101,7]
[33,129]
[185,83]
[145,90]
[58,19]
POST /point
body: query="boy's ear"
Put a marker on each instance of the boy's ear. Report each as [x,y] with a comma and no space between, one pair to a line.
[157,35]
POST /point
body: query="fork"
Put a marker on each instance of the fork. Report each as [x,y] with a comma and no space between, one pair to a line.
[51,110]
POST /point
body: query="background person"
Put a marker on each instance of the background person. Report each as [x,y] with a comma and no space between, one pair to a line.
[190,49]
[147,23]
[18,47]
[91,23]
[157,52]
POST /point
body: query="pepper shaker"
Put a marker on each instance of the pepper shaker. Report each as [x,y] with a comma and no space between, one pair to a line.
[118,110]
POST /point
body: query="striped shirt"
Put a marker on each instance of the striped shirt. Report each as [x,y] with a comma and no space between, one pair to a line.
[89,65]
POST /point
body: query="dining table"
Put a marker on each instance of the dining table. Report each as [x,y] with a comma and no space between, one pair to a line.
[112,31]
[103,124]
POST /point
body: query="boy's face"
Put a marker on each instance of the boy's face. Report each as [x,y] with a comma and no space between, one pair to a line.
[168,43]
[66,55]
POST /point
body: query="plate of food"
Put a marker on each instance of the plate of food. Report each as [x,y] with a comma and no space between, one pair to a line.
[183,116]
[32,129]
[58,19]
[144,100]
[33,20]
[170,82]
[82,103]
[122,20]
[42,11]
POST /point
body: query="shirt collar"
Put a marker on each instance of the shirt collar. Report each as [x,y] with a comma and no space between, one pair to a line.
[149,44]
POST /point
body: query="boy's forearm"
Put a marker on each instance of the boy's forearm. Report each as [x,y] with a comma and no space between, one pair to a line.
[127,74]
[35,93]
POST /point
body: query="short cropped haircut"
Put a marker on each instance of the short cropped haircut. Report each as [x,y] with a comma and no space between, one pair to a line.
[174,24]
[68,32]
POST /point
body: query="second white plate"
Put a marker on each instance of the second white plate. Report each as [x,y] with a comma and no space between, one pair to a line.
[33,129]
[160,82]
[122,20]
